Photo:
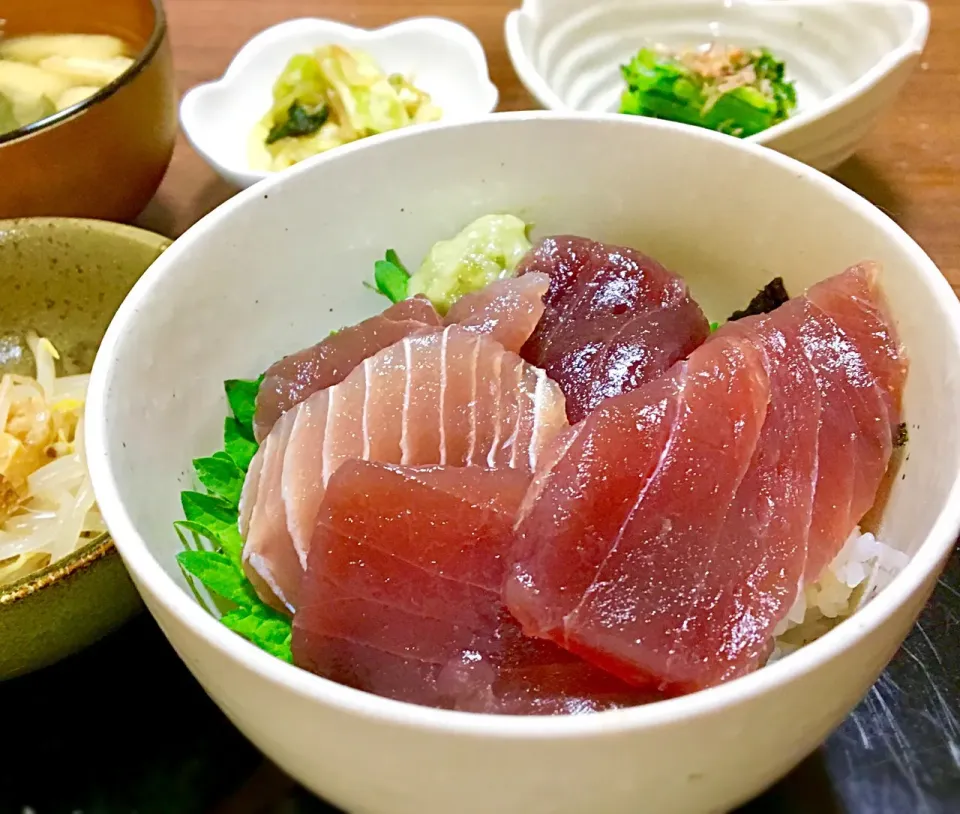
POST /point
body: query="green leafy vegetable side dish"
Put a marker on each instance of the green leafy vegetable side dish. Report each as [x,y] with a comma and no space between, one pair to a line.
[213,515]
[731,90]
[299,121]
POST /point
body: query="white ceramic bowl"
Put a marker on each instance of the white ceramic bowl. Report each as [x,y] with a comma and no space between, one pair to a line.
[277,267]
[443,57]
[849,58]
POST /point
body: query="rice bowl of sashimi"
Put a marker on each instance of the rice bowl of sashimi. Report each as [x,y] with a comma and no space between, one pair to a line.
[563,464]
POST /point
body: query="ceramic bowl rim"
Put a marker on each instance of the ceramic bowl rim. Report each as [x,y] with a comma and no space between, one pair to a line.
[155,582]
[912,47]
[102,545]
[250,51]
[143,59]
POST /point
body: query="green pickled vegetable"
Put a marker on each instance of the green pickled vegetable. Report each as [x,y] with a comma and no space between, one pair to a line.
[300,83]
[330,97]
[299,122]
[731,90]
[488,249]
[365,101]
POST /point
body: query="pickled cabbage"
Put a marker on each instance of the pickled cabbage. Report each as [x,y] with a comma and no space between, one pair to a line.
[330,97]
[486,250]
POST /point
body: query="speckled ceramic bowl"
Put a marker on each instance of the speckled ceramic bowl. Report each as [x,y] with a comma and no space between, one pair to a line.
[64,278]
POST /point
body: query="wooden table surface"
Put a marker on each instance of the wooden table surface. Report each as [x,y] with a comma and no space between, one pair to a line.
[909,167]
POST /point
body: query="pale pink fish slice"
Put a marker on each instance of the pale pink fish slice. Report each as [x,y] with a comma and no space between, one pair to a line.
[506,310]
[422,418]
[303,470]
[542,417]
[511,375]
[328,431]
[487,408]
[248,497]
[323,437]
[270,560]
[344,438]
[385,392]
[458,383]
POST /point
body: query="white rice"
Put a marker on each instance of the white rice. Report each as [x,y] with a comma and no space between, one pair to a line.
[863,565]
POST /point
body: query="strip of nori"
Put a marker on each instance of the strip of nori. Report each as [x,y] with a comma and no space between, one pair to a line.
[769,298]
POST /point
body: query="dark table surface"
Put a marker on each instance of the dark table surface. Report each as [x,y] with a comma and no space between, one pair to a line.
[124,728]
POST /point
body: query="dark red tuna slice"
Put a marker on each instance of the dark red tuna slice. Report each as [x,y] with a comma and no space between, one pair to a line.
[614,320]
[851,343]
[401,596]
[670,532]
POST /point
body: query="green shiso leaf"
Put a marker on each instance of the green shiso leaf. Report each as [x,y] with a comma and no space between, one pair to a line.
[237,444]
[214,515]
[242,398]
[218,574]
[267,629]
[391,277]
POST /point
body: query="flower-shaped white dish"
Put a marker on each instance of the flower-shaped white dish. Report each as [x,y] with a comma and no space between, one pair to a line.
[848,58]
[442,57]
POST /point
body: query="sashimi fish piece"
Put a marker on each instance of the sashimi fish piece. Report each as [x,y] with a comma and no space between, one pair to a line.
[614,319]
[297,376]
[666,536]
[847,334]
[403,404]
[269,558]
[438,398]
[506,310]
[402,596]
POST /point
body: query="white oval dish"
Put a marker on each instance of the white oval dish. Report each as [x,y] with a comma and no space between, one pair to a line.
[849,58]
[442,57]
[290,264]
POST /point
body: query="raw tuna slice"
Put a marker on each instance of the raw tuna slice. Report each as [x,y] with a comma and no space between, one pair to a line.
[430,399]
[451,397]
[506,310]
[295,377]
[668,534]
[402,596]
[850,340]
[614,320]
[269,559]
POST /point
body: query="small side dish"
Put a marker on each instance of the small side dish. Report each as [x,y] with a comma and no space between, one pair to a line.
[47,508]
[577,57]
[42,74]
[733,90]
[542,482]
[309,85]
[330,97]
